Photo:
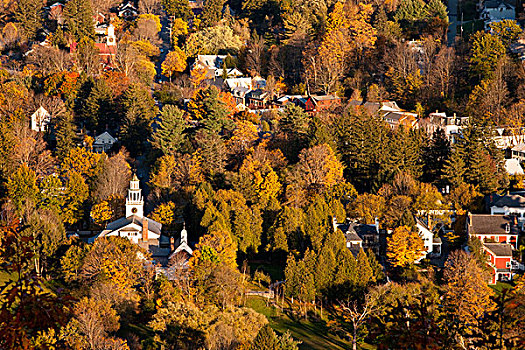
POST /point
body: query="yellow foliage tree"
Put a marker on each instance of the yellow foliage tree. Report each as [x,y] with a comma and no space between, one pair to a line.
[150,16]
[197,75]
[258,181]
[404,247]
[175,62]
[101,213]
[179,27]
[467,294]
[214,248]
[165,213]
[83,162]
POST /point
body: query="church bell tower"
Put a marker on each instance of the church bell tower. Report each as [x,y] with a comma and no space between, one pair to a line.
[134,202]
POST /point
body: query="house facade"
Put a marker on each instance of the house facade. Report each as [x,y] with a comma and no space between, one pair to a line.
[40,120]
[495,228]
[500,261]
[103,142]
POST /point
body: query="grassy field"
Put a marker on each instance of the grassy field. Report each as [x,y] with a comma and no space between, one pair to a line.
[313,334]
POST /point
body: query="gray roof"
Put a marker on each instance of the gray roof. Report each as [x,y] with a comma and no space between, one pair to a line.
[355,231]
[153,226]
[496,3]
[499,249]
[491,224]
[509,200]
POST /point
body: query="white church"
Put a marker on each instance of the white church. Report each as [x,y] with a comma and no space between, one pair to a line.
[144,231]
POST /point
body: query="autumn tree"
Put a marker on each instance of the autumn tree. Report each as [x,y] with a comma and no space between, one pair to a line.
[404,247]
[486,52]
[175,62]
[467,294]
[22,187]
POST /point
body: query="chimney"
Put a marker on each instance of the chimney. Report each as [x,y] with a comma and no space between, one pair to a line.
[144,229]
[429,221]
[376,223]
[172,244]
[334,223]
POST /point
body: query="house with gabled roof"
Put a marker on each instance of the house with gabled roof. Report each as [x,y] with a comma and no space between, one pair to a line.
[40,120]
[499,260]
[494,228]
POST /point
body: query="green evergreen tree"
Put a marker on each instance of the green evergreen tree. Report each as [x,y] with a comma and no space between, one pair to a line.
[224,70]
[140,110]
[376,267]
[404,152]
[65,136]
[99,107]
[266,339]
[435,156]
[169,136]
[454,168]
[78,16]
[364,270]
[29,17]
[177,8]
[362,141]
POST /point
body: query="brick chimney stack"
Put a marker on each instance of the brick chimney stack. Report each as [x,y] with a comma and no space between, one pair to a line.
[144,230]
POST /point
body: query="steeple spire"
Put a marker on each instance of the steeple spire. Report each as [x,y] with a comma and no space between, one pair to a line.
[134,201]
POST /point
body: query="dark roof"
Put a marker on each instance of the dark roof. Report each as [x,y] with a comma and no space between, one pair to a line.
[509,200]
[492,224]
[499,249]
[496,3]
[257,94]
[153,226]
[355,231]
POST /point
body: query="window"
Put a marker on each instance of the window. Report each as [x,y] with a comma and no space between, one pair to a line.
[507,264]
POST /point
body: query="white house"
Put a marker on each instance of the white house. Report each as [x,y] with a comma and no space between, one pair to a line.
[432,244]
[103,142]
[40,120]
[497,10]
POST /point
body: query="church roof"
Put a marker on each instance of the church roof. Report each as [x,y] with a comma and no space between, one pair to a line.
[135,178]
[153,225]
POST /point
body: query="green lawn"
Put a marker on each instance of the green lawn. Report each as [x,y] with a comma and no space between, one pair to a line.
[499,286]
[313,334]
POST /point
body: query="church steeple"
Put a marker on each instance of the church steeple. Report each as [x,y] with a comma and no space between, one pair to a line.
[134,202]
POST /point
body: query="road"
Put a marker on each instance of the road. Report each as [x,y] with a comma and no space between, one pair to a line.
[165,46]
[453,21]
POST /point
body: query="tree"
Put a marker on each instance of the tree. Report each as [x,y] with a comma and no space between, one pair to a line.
[215,248]
[357,314]
[29,17]
[318,169]
[101,213]
[486,52]
[113,178]
[177,8]
[212,12]
[75,194]
[266,339]
[92,324]
[467,294]
[404,247]
[507,30]
[175,62]
[168,137]
[364,270]
[147,28]
[22,188]
[149,6]
[367,207]
[211,40]
[65,135]
[78,16]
